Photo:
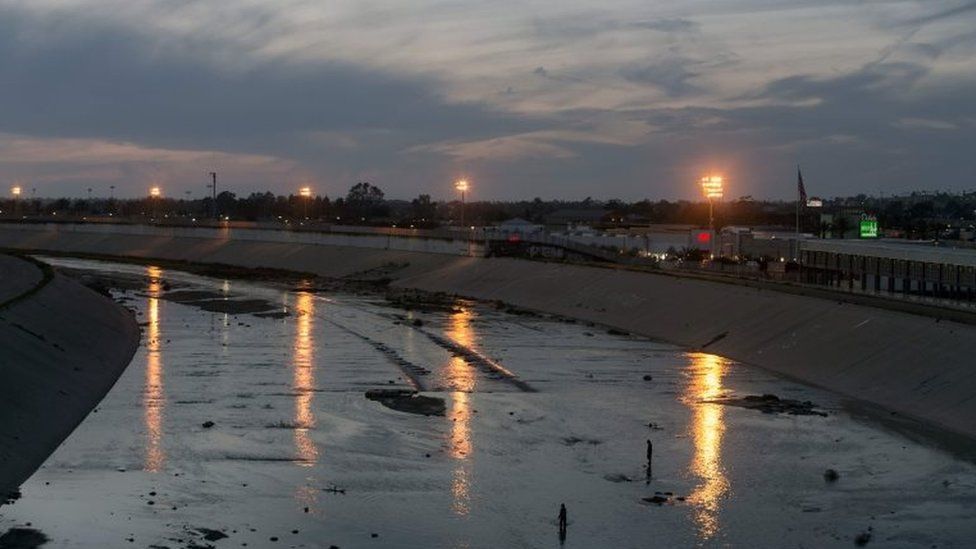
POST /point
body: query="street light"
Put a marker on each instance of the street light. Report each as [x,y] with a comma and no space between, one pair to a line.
[462,186]
[154,194]
[15,190]
[306,192]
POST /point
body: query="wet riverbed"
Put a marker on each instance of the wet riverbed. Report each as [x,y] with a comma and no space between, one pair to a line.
[257,427]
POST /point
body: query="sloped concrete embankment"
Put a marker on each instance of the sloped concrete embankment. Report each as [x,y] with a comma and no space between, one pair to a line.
[333,261]
[912,364]
[915,365]
[62,347]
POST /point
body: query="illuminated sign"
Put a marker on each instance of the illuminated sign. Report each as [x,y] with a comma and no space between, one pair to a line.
[869,228]
[701,239]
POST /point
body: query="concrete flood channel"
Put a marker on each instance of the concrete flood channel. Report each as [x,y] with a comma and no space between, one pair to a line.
[243,421]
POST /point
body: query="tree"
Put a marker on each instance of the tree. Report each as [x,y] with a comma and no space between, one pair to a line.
[423,208]
[364,200]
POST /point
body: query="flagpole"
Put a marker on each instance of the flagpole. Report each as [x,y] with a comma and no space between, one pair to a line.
[796,240]
[798,205]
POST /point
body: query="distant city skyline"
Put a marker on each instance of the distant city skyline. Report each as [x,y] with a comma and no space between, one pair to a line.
[553,99]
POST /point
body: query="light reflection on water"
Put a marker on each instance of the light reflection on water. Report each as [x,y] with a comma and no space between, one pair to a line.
[707,429]
[303,383]
[463,379]
[154,396]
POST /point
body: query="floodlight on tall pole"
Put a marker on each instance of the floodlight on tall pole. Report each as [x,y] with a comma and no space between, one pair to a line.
[462,186]
[154,194]
[16,190]
[306,193]
[712,189]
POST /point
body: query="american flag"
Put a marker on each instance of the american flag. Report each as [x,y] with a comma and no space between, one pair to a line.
[800,188]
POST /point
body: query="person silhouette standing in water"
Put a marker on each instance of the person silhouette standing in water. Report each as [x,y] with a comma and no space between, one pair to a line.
[562,521]
[650,455]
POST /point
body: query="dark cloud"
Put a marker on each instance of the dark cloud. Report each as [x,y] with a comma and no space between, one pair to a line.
[672,75]
[871,80]
[947,10]
[667,25]
[112,83]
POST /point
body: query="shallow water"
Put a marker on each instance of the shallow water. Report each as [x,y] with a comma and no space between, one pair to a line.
[539,412]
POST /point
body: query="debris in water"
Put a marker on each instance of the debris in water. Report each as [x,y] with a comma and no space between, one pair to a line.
[211,534]
[277,315]
[831,475]
[660,498]
[573,441]
[23,538]
[207,424]
[405,400]
[863,538]
[10,497]
[771,404]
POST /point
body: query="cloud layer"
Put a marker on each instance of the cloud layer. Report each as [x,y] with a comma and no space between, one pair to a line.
[553,98]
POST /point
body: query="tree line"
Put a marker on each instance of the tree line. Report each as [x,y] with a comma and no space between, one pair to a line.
[921,215]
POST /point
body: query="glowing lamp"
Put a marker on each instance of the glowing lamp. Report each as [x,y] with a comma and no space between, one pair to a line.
[712,187]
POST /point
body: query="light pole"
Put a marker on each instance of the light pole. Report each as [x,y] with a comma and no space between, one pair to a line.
[712,189]
[306,193]
[462,186]
[213,188]
[15,190]
[154,194]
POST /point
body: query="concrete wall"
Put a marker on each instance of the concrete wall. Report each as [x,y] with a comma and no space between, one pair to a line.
[62,347]
[915,365]
[406,243]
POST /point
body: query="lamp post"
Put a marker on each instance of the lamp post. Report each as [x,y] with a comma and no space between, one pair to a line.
[154,194]
[15,190]
[213,189]
[462,186]
[306,193]
[712,189]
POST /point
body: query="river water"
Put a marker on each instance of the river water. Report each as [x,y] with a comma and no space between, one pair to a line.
[539,412]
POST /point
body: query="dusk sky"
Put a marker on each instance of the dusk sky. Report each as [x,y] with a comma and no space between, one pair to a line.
[552,98]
